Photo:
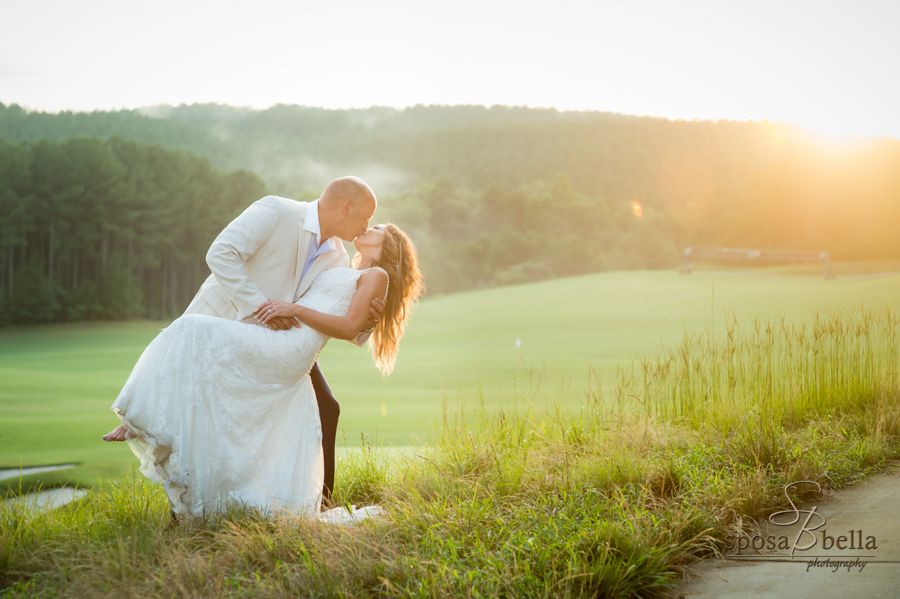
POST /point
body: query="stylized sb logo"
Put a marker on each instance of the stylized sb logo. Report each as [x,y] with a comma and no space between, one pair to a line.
[806,528]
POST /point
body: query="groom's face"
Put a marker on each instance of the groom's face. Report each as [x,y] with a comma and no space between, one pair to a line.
[357,224]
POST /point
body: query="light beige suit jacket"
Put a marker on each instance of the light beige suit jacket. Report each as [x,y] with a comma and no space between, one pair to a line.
[260,256]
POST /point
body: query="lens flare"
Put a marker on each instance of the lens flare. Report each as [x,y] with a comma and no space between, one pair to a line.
[637,208]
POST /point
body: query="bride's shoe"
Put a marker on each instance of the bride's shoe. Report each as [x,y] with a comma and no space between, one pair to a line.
[120,433]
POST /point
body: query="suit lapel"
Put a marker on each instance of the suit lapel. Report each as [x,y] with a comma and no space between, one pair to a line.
[302,248]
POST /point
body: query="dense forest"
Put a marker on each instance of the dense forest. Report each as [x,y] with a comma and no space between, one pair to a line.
[492,195]
[95,229]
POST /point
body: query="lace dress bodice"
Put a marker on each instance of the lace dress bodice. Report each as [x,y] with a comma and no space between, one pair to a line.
[330,293]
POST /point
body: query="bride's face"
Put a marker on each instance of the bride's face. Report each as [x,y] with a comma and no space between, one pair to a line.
[369,243]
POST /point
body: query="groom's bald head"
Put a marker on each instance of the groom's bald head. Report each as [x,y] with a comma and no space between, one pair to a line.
[353,189]
[345,208]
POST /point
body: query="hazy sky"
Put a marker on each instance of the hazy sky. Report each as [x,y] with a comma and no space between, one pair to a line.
[829,65]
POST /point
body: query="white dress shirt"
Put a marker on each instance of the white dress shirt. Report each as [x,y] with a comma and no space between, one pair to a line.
[316,246]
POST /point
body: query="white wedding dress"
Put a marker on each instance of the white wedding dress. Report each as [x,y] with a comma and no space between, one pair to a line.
[225,412]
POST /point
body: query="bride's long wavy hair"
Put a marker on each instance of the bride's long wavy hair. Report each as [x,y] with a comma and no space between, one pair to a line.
[399,259]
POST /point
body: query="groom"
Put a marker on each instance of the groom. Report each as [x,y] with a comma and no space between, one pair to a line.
[274,250]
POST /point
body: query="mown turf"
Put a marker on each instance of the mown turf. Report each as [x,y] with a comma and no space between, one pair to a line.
[57,382]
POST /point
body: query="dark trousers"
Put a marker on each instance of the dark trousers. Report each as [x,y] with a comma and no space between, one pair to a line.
[329,411]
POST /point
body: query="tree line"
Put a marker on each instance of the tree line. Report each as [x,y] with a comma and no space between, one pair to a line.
[500,236]
[112,228]
[728,183]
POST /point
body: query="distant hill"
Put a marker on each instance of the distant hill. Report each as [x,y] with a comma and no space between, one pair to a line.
[506,194]
[295,148]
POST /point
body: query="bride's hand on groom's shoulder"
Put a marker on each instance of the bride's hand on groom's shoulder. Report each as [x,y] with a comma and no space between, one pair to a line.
[277,315]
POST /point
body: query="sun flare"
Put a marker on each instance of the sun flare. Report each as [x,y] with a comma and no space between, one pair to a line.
[637,208]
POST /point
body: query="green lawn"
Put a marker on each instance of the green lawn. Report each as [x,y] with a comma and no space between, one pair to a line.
[57,382]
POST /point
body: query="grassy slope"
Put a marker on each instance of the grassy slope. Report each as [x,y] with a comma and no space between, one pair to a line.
[57,383]
[466,342]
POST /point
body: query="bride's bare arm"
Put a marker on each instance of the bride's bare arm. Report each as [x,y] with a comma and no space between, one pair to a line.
[372,284]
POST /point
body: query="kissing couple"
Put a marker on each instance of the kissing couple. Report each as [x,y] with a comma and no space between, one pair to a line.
[228,405]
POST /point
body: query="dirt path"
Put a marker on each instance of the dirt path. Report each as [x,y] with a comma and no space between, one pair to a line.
[49,499]
[7,473]
[864,519]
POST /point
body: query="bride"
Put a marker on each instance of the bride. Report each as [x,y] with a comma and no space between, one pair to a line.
[222,412]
